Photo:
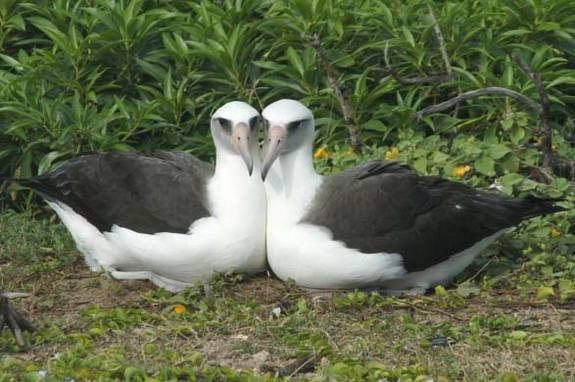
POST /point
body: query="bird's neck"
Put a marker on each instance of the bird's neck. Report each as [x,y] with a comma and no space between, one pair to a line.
[230,165]
[293,182]
[235,193]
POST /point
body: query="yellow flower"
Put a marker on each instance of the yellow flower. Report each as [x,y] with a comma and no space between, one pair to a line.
[460,171]
[349,151]
[321,153]
[392,154]
[555,232]
[180,309]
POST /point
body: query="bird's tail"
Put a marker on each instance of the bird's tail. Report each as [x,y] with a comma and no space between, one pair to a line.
[535,206]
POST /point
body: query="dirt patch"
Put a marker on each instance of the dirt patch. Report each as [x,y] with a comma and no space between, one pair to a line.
[392,332]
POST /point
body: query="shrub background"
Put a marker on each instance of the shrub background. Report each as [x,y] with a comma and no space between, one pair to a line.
[91,75]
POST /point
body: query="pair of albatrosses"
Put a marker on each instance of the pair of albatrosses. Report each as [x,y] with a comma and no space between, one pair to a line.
[171,219]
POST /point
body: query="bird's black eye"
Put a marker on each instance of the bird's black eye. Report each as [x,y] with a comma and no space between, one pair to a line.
[226,124]
[292,126]
[254,123]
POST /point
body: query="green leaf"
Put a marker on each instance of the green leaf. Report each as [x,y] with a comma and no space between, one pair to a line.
[514,33]
[346,61]
[498,151]
[507,123]
[421,165]
[408,36]
[9,60]
[485,165]
[548,26]
[510,164]
[167,86]
[517,134]
[544,292]
[507,377]
[508,72]
[439,157]
[560,81]
[510,180]
[270,65]
[295,60]
[440,290]
[518,335]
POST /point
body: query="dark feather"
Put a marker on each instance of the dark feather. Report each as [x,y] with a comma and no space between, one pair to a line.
[383,206]
[164,192]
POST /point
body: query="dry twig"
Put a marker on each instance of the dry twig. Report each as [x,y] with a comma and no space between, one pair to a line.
[547,133]
[493,90]
[301,365]
[441,41]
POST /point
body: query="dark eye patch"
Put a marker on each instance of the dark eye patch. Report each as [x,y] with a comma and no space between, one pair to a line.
[266,125]
[226,124]
[295,125]
[253,122]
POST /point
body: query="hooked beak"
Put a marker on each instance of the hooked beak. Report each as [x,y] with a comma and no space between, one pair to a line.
[275,141]
[241,142]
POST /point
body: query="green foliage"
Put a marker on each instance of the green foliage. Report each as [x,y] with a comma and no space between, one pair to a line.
[80,76]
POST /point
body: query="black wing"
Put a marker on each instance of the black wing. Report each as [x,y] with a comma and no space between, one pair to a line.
[164,192]
[383,206]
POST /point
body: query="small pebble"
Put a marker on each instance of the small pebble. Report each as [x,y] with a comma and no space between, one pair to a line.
[261,357]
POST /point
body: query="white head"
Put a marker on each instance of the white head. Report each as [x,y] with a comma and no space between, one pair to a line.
[234,129]
[288,126]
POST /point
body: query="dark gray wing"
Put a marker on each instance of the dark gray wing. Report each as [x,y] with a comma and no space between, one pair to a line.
[164,192]
[383,206]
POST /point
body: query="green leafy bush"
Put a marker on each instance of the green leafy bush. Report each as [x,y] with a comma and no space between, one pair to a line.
[90,75]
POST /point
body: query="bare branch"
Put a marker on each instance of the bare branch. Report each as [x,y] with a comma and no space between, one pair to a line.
[545,112]
[441,41]
[340,94]
[493,90]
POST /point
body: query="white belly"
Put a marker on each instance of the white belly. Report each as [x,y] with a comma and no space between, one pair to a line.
[308,255]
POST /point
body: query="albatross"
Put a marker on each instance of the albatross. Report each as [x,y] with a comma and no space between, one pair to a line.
[376,225]
[167,217]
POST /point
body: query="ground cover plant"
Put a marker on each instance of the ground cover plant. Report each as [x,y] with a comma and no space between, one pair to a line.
[476,91]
